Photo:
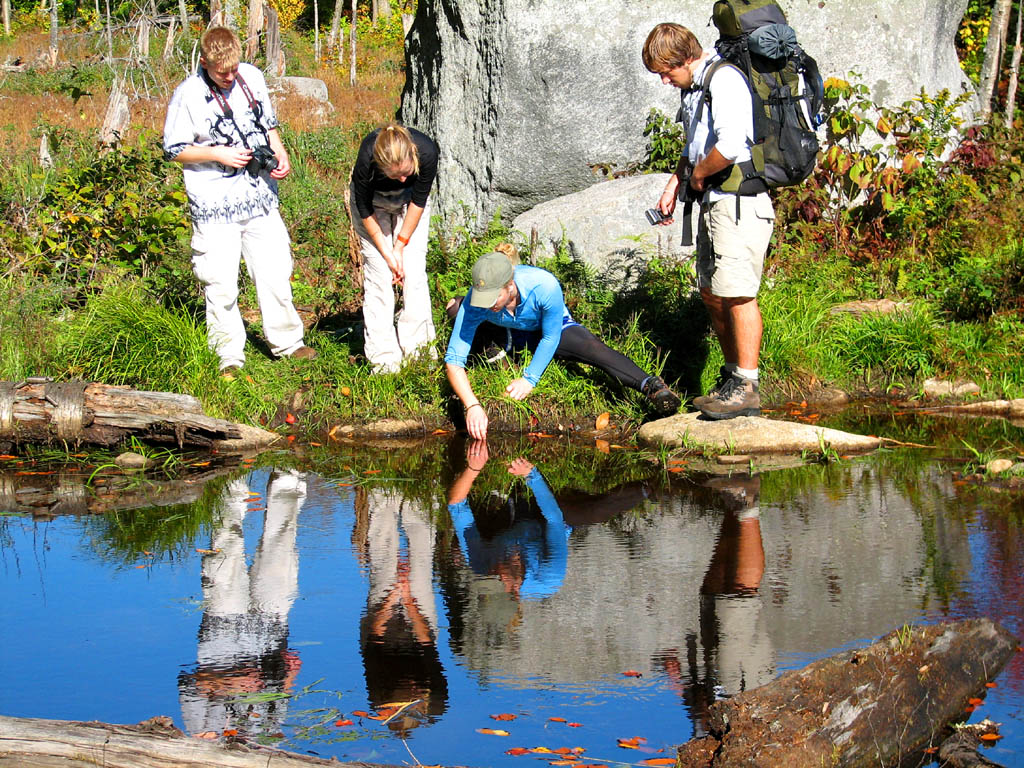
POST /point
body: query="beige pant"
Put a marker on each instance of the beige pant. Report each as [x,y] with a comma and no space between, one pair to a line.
[389,340]
[731,249]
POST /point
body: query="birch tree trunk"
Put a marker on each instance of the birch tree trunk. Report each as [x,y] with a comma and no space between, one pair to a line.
[110,35]
[352,48]
[1011,91]
[169,42]
[316,31]
[381,9]
[6,4]
[332,36]
[993,57]
[183,13]
[54,28]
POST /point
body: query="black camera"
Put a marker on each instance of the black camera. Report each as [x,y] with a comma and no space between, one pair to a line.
[263,159]
[654,215]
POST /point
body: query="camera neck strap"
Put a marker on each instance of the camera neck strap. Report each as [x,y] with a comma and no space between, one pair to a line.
[222,102]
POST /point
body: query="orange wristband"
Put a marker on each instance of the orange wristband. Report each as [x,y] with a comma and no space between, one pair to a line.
[402,240]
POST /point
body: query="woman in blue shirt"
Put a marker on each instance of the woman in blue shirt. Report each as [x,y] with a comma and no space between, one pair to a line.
[530,299]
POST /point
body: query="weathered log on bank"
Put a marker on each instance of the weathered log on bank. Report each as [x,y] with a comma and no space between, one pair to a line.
[154,743]
[43,411]
[867,707]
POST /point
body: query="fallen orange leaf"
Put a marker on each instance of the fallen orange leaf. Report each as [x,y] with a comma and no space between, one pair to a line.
[345,391]
[492,731]
[360,713]
[7,456]
[142,566]
[676,470]
[316,445]
[659,761]
[562,751]
[334,429]
[969,708]
[931,750]
[991,736]
[372,472]
[557,719]
[517,751]
[439,432]
[542,751]
[207,551]
[602,446]
[990,685]
[201,464]
[975,702]
[602,421]
[231,732]
[563,762]
[503,716]
[632,673]
[291,438]
[575,725]
[341,723]
[207,735]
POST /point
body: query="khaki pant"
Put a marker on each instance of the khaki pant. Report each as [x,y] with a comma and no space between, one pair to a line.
[731,249]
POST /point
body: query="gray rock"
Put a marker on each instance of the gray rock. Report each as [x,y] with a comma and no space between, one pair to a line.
[393,427]
[870,306]
[748,434]
[526,97]
[943,388]
[604,226]
[132,460]
[304,87]
[828,396]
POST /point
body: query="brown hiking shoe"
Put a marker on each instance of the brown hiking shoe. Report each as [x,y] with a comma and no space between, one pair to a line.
[724,374]
[665,400]
[738,397]
[305,353]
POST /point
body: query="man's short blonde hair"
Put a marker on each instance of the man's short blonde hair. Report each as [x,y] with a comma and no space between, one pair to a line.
[669,46]
[394,149]
[221,48]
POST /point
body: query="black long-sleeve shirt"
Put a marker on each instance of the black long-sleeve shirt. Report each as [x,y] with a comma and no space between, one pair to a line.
[367,178]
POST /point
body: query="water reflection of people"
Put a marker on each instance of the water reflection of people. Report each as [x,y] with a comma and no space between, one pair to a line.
[243,636]
[738,653]
[394,538]
[499,537]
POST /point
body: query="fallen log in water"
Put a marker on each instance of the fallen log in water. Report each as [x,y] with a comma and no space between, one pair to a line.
[868,707]
[154,743]
[43,411]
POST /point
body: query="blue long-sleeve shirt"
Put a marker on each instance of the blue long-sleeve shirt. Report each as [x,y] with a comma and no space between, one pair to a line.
[541,308]
[545,556]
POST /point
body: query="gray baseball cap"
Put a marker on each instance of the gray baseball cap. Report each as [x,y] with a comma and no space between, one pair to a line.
[491,273]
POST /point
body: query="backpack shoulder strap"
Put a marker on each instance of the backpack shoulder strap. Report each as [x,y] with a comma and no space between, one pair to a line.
[705,86]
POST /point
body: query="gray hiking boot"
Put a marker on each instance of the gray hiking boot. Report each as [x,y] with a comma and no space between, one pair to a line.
[738,397]
[665,400]
[724,374]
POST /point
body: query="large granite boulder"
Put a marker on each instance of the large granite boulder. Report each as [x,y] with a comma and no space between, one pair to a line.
[604,225]
[527,97]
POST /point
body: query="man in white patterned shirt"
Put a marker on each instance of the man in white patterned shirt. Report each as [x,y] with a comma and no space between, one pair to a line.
[222,128]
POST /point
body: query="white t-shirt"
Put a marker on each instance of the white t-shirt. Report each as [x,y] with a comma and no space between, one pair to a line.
[215,192]
[727,121]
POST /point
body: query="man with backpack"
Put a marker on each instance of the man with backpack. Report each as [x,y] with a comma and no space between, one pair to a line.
[733,229]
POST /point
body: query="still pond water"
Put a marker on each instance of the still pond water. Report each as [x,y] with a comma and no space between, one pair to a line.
[288,596]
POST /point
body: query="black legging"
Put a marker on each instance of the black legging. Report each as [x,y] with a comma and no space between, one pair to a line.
[577,344]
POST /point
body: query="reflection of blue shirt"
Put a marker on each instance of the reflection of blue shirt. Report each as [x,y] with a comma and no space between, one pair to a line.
[545,554]
[540,308]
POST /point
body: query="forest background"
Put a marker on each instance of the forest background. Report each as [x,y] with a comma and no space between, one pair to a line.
[908,204]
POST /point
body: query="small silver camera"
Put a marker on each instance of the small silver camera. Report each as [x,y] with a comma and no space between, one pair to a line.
[655,216]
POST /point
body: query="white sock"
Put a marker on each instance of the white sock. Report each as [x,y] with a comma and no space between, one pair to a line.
[746,373]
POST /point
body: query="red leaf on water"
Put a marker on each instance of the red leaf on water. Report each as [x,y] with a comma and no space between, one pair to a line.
[360,713]
[557,719]
[516,751]
[575,725]
[975,702]
[231,732]
[991,736]
[632,673]
[659,761]
[990,685]
[342,723]
[969,708]
[503,716]
[492,731]
[562,751]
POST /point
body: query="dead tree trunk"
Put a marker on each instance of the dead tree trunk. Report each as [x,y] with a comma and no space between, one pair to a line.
[275,51]
[253,29]
[169,42]
[118,116]
[316,31]
[78,412]
[6,4]
[33,743]
[332,36]
[866,707]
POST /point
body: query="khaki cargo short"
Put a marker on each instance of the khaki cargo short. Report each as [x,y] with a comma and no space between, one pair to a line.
[730,250]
